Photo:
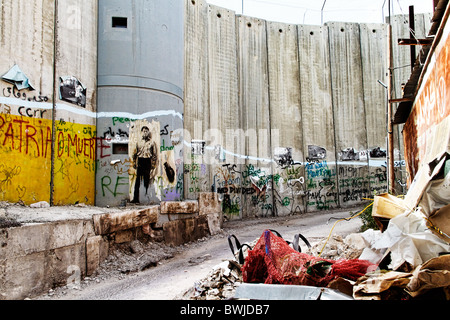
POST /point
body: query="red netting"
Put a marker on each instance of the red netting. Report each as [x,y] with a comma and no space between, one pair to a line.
[273,261]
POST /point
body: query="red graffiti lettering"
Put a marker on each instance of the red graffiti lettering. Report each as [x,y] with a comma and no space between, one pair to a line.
[29,137]
[60,144]
[9,134]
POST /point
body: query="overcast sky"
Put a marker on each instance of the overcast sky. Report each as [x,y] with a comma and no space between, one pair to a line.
[309,11]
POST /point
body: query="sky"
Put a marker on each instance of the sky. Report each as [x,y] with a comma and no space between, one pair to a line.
[310,11]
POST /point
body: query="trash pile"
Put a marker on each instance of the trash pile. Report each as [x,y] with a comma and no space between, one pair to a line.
[412,250]
[408,258]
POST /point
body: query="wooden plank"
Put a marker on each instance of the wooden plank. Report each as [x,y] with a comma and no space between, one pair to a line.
[401,100]
[415,42]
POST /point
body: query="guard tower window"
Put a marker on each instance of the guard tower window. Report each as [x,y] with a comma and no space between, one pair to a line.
[120,148]
[119,22]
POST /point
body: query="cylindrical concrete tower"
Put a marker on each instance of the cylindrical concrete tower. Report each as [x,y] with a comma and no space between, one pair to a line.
[140,101]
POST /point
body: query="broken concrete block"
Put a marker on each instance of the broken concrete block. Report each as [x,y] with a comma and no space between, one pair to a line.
[96,252]
[179,232]
[119,221]
[173,216]
[209,203]
[215,222]
[174,207]
[156,235]
[23,276]
[125,236]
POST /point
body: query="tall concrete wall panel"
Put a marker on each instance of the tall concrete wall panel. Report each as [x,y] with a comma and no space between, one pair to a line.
[225,138]
[317,114]
[197,178]
[223,82]
[286,118]
[311,92]
[75,119]
[48,128]
[255,112]
[33,53]
[349,112]
[375,68]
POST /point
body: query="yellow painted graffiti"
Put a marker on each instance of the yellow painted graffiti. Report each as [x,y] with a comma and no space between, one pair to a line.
[25,161]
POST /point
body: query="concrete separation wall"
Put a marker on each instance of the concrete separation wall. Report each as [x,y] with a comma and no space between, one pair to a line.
[304,103]
[278,119]
[48,126]
[61,245]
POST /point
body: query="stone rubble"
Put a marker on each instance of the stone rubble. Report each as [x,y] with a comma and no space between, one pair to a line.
[338,248]
[220,284]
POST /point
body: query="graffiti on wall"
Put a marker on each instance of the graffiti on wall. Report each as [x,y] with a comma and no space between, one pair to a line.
[286,186]
[75,163]
[25,153]
[140,161]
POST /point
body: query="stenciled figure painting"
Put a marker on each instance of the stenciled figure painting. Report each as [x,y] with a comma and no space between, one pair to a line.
[144,151]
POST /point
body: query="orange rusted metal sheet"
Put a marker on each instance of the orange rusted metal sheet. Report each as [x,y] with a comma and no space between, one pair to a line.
[427,125]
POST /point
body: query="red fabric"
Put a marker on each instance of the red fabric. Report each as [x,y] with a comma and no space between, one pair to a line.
[273,261]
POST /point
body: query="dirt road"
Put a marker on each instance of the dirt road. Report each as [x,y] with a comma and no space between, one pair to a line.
[172,277]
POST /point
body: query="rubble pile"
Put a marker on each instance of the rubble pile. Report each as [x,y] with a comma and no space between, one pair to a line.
[337,248]
[134,256]
[220,283]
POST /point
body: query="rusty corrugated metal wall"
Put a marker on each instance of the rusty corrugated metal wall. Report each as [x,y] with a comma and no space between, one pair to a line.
[427,130]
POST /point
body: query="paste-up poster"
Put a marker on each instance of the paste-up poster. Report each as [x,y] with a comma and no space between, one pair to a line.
[168,169]
[144,151]
[72,90]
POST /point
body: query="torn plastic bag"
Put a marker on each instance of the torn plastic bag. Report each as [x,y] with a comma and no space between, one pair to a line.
[410,240]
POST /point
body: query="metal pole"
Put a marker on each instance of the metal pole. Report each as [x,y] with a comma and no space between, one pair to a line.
[321,12]
[390,156]
[412,34]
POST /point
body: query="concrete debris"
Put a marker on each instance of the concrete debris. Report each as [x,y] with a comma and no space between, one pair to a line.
[220,284]
[133,257]
[42,204]
[337,248]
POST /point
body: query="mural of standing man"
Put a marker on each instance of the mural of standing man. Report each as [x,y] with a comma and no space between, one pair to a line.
[144,153]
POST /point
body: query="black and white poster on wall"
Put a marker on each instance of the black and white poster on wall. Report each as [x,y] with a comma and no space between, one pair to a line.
[72,90]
